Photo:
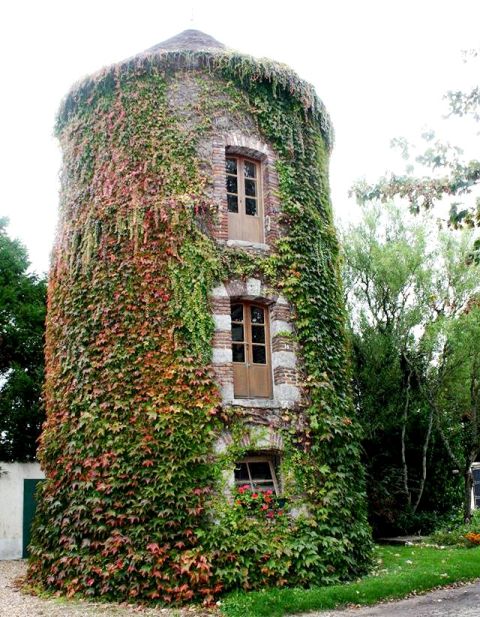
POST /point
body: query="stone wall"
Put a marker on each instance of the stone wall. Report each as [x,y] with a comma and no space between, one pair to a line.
[12,476]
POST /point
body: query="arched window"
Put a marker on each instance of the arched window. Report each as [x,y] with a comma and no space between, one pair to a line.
[244,198]
[251,354]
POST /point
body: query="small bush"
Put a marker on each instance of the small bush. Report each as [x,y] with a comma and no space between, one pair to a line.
[256,544]
[458,533]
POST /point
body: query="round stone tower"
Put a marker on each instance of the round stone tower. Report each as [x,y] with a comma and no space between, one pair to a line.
[199,432]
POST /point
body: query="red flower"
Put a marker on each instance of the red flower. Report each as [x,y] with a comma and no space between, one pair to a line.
[264,507]
[254,495]
[270,514]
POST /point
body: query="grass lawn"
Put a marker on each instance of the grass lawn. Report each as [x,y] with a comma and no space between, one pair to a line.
[400,571]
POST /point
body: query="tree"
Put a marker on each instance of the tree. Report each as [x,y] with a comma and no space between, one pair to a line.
[22,316]
[445,363]
[439,174]
[452,383]
[459,400]
[409,290]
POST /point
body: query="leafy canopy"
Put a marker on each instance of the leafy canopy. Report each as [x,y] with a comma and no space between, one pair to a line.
[413,299]
[22,316]
[440,174]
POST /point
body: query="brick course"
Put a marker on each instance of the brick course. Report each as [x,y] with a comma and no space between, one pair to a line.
[221,339]
[282,375]
[281,312]
[283,343]
[221,306]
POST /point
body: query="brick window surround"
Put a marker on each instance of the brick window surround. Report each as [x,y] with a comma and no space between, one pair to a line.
[235,143]
[286,392]
[263,441]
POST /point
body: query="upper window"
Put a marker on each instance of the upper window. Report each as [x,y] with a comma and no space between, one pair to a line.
[244,192]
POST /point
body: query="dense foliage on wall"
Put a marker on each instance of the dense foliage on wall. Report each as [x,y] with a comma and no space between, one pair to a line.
[134,506]
[22,318]
[415,345]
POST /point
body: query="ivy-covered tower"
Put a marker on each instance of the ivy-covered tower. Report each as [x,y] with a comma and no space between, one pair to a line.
[199,432]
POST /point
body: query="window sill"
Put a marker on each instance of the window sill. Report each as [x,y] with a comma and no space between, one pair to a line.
[245,244]
[262,403]
[285,397]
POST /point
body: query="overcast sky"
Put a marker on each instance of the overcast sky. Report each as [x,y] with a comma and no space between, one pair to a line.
[381,67]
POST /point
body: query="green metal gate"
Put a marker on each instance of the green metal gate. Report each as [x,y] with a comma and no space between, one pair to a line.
[29,505]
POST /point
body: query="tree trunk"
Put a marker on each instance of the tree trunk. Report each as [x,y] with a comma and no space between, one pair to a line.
[467,495]
[424,460]
[404,456]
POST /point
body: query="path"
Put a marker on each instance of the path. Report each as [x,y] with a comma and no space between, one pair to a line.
[460,602]
[14,603]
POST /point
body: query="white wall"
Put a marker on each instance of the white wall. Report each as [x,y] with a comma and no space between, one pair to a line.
[12,476]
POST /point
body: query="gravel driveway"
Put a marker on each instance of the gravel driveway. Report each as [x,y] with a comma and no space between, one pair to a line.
[14,603]
[460,602]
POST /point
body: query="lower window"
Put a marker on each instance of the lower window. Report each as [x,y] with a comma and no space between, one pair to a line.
[257,472]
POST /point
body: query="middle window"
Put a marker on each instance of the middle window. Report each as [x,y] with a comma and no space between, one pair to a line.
[252,371]
[245,208]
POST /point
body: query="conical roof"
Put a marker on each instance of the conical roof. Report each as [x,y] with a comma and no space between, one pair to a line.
[191,50]
[188,40]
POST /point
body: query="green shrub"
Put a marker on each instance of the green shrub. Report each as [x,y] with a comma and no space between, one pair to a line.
[257,543]
[456,532]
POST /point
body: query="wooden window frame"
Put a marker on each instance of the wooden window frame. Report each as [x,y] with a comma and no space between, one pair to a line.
[248,346]
[241,224]
[265,458]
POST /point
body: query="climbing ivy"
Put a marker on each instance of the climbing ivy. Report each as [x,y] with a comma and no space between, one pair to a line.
[134,506]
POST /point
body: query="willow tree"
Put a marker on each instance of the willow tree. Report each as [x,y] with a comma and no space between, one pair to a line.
[411,290]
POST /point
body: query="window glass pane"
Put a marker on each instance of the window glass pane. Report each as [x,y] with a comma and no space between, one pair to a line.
[249,169]
[238,353]
[256,314]
[232,203]
[236,312]
[237,332]
[260,470]
[231,166]
[241,473]
[251,206]
[250,187]
[232,184]
[258,354]
[258,334]
[265,486]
